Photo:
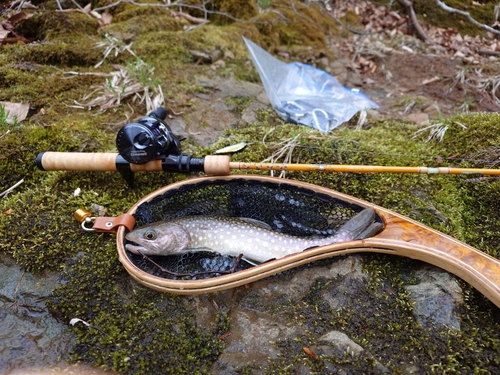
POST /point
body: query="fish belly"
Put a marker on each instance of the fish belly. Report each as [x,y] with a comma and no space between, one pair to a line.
[235,238]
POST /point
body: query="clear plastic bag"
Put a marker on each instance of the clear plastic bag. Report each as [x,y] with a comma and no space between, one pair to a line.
[303,94]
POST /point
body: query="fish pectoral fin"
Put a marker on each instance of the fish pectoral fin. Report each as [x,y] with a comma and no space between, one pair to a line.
[249,261]
[311,247]
[257,223]
[199,248]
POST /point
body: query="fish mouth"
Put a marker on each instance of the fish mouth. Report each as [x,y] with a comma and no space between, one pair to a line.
[136,249]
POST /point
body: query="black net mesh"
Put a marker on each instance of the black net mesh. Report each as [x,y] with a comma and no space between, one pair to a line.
[287,208]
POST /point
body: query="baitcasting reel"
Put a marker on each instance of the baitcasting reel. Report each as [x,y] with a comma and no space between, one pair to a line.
[147,139]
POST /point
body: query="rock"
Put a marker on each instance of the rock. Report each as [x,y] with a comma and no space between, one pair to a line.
[373,115]
[249,116]
[29,335]
[201,57]
[338,344]
[436,298]
[432,110]
[342,343]
[419,118]
[228,55]
[219,64]
[338,69]
[438,215]
[216,54]
[252,340]
[338,293]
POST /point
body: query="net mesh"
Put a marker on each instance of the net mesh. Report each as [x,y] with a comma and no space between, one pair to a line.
[287,208]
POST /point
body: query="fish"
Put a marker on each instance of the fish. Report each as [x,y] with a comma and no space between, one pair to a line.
[236,236]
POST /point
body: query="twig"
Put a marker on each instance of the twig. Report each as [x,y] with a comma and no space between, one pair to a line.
[413,24]
[81,9]
[11,188]
[466,15]
[189,18]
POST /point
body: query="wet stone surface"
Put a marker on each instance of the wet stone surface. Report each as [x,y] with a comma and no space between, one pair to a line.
[29,334]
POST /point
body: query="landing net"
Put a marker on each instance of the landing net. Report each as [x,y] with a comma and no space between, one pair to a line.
[287,208]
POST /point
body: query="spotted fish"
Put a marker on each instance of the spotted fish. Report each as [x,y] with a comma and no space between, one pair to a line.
[234,236]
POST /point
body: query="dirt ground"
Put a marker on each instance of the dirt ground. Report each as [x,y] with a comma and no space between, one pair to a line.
[450,73]
[405,92]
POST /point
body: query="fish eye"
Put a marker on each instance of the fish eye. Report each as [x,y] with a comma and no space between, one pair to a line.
[150,235]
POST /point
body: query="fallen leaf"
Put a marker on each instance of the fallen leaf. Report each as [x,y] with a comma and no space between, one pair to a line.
[15,109]
[18,17]
[106,18]
[431,80]
[3,33]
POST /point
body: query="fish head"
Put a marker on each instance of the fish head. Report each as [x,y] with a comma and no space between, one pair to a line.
[158,239]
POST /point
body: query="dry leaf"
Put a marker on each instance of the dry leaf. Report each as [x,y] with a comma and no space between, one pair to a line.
[430,80]
[105,19]
[18,17]
[16,109]
[3,33]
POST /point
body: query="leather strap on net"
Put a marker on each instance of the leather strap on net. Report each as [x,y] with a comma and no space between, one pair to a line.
[111,224]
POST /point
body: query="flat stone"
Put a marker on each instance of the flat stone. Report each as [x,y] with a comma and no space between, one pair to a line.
[342,342]
[419,118]
[436,298]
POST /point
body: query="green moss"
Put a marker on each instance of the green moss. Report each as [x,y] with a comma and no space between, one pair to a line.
[145,332]
[296,27]
[45,25]
[239,9]
[378,316]
[140,20]
[46,201]
[150,332]
[59,52]
[484,14]
[376,320]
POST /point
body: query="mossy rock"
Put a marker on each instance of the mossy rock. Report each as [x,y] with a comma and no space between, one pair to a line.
[45,25]
[431,13]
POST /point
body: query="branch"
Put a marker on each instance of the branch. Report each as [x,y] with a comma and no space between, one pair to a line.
[11,188]
[413,24]
[468,16]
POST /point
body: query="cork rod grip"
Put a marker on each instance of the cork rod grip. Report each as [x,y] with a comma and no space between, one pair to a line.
[217,165]
[76,161]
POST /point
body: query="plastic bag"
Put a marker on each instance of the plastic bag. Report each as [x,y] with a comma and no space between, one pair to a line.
[303,94]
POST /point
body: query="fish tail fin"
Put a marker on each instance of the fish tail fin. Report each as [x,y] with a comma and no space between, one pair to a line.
[370,231]
[362,225]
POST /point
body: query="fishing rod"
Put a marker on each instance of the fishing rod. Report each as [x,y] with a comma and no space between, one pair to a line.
[150,145]
[217,165]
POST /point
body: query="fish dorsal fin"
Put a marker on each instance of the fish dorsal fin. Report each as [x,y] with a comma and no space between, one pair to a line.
[257,223]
